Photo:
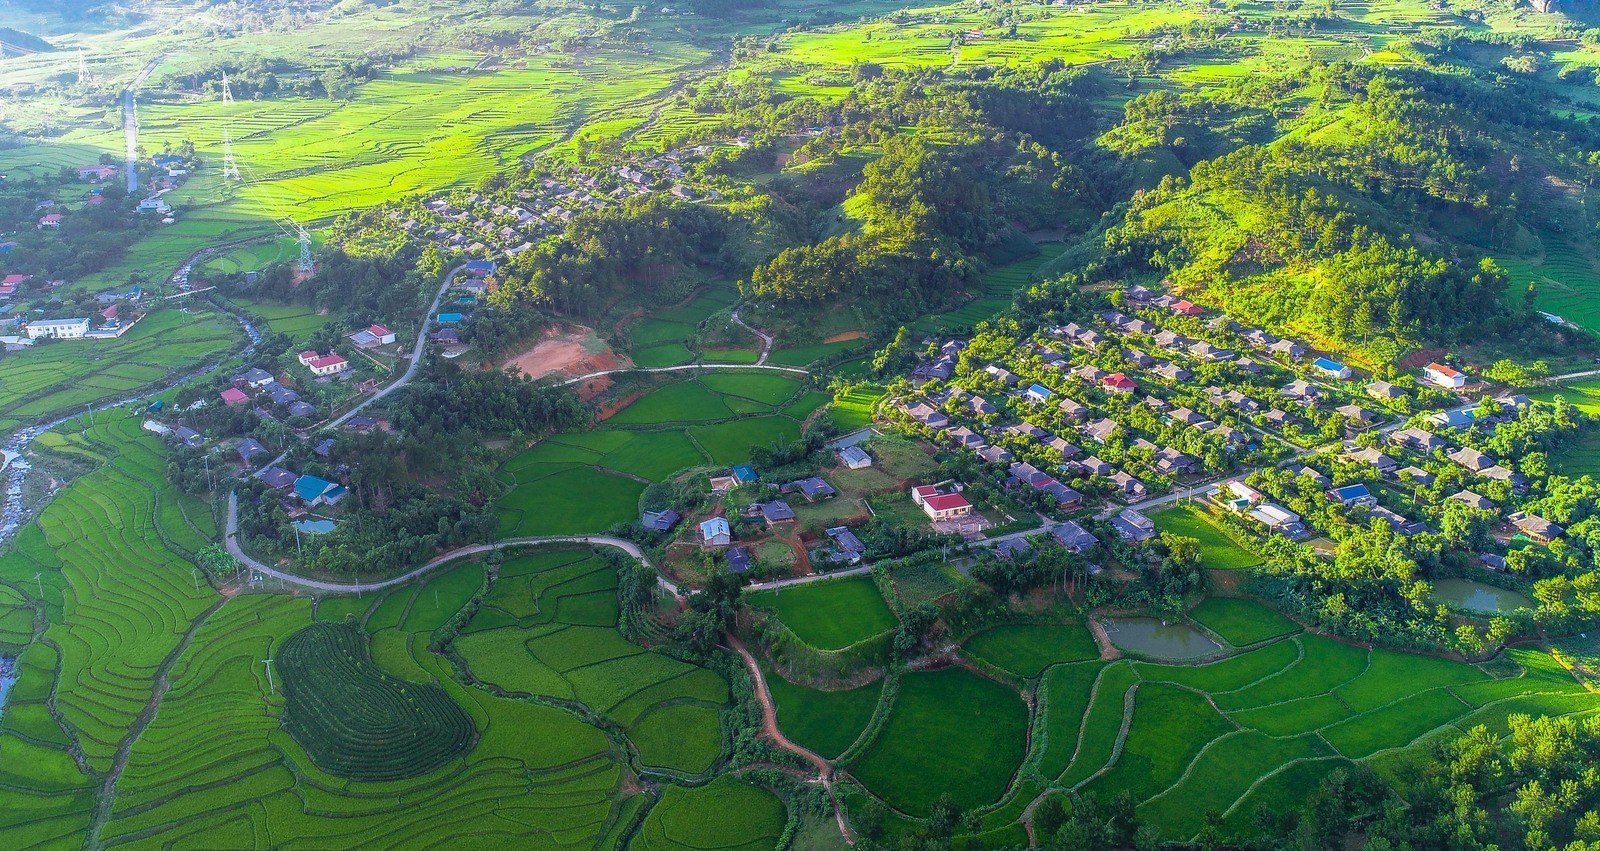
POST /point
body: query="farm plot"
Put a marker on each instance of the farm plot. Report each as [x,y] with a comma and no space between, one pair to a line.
[552,499]
[950,731]
[1028,649]
[831,614]
[548,627]
[827,722]
[356,721]
[1241,622]
[724,815]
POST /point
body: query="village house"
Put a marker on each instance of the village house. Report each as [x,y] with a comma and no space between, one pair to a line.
[234,396]
[1477,501]
[249,449]
[1471,459]
[1537,528]
[1073,409]
[1118,383]
[57,329]
[659,521]
[1444,376]
[276,478]
[940,506]
[1092,466]
[738,560]
[1373,458]
[315,491]
[775,511]
[1074,538]
[849,548]
[1281,520]
[1416,475]
[812,488]
[321,365]
[1383,390]
[1401,525]
[372,336]
[995,454]
[1133,527]
[1418,440]
[1332,368]
[854,458]
[1352,496]
[715,532]
[1288,349]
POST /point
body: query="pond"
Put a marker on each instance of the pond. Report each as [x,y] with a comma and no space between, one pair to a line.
[1150,637]
[315,527]
[1477,596]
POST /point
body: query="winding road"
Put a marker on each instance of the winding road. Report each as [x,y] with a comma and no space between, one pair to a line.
[130,121]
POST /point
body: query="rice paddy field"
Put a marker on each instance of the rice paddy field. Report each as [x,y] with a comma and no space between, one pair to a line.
[831,614]
[590,481]
[58,377]
[1279,711]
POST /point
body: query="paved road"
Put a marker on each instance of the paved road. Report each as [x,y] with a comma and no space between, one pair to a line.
[130,121]
[686,367]
[766,339]
[416,352]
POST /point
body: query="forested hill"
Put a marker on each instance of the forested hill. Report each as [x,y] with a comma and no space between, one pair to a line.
[16,39]
[1364,219]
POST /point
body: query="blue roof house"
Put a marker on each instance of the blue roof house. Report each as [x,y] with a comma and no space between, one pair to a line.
[1332,368]
[1037,393]
[313,490]
[1351,495]
[744,474]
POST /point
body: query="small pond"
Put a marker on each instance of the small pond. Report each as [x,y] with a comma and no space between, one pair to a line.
[1150,637]
[1477,596]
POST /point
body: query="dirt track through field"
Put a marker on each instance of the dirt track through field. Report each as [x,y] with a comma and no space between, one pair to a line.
[769,727]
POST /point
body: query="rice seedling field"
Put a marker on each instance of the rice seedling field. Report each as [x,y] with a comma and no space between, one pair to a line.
[1241,622]
[1564,277]
[853,409]
[590,481]
[1583,393]
[826,722]
[1026,650]
[1218,550]
[830,614]
[950,731]
[58,377]
[1578,459]
[724,814]
[548,627]
[353,719]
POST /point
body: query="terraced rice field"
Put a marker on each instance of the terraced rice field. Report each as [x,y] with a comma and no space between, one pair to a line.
[1565,280]
[1255,727]
[549,627]
[999,287]
[57,377]
[725,814]
[590,481]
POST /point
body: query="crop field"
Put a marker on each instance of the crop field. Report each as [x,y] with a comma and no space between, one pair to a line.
[950,731]
[827,722]
[830,614]
[297,321]
[1218,550]
[548,627]
[1583,393]
[1565,279]
[53,378]
[1241,622]
[356,721]
[724,814]
[590,481]
[1027,649]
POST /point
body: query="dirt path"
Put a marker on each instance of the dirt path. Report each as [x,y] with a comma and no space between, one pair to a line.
[1108,651]
[769,726]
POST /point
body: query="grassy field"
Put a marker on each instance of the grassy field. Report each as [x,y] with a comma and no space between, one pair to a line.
[53,378]
[831,614]
[549,627]
[1218,550]
[827,722]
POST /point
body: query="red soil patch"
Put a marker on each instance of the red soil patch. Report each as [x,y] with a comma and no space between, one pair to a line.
[567,350]
[1421,358]
[588,390]
[846,335]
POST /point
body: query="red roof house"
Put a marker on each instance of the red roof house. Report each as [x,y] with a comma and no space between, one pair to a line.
[109,313]
[1183,307]
[945,506]
[234,396]
[52,220]
[1118,382]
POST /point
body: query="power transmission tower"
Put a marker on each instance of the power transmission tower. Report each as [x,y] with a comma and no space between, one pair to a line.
[230,167]
[306,265]
[227,90]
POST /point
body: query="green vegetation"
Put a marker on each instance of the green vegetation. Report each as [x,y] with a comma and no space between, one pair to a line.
[1027,650]
[830,614]
[1218,550]
[356,721]
[1241,622]
[826,722]
[726,814]
[549,627]
[952,732]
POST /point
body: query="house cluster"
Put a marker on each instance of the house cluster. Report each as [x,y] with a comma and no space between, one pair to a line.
[327,365]
[271,399]
[299,494]
[486,227]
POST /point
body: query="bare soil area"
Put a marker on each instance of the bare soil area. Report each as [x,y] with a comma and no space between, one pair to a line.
[569,350]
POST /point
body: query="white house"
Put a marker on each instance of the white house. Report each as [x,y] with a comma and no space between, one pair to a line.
[329,364]
[940,506]
[59,329]
[855,457]
[716,532]
[1444,376]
